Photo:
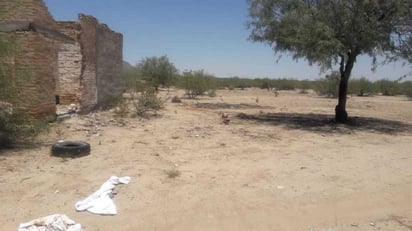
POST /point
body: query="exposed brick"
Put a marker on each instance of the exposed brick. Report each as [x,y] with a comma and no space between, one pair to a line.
[86,70]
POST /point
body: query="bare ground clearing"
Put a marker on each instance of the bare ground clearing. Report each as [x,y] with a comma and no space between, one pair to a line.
[279,165]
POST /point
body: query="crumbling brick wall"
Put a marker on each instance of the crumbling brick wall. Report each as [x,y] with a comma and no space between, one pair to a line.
[35,62]
[68,87]
[87,40]
[97,79]
[38,88]
[81,62]
[109,65]
[26,11]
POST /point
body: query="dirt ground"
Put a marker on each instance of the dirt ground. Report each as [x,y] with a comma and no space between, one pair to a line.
[279,165]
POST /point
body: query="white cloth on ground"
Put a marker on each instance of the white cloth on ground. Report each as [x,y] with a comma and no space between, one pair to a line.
[56,222]
[100,202]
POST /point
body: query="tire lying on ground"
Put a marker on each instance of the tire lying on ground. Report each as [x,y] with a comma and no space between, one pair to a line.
[70,149]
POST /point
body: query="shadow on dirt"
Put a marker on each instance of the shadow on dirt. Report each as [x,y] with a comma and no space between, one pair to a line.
[325,123]
[230,106]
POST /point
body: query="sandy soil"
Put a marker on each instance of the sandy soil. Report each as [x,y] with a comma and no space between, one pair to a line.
[279,165]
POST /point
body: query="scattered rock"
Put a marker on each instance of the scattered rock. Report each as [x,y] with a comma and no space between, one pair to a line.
[225,118]
[176,99]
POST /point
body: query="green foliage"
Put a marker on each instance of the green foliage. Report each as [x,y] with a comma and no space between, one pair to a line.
[388,88]
[16,127]
[147,101]
[266,84]
[322,31]
[197,83]
[328,86]
[132,78]
[331,33]
[361,87]
[407,88]
[158,71]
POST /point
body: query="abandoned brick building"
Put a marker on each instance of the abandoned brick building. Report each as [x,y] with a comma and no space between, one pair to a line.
[69,62]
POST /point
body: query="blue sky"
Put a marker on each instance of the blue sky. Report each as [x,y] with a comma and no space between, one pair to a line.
[199,34]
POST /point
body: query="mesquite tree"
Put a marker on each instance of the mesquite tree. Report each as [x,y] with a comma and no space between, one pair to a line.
[334,33]
[157,70]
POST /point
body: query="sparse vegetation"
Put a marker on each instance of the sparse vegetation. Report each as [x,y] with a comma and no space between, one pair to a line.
[158,71]
[388,88]
[173,173]
[197,83]
[407,89]
[16,126]
[361,87]
[147,101]
[334,34]
[328,86]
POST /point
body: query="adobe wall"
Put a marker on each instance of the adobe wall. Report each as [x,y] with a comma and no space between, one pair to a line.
[38,87]
[87,40]
[26,11]
[90,70]
[109,48]
[68,86]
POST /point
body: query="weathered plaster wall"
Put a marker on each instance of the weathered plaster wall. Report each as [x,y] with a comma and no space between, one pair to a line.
[109,65]
[87,40]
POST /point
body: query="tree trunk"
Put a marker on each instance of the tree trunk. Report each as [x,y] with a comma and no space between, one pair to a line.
[341,116]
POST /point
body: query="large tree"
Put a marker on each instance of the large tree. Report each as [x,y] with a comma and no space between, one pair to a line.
[334,33]
[157,70]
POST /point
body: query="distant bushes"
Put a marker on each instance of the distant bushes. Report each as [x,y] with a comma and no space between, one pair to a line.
[361,87]
[197,83]
[328,86]
[407,89]
[389,88]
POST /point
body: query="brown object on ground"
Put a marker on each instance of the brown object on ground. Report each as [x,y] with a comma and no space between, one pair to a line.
[176,99]
[225,118]
[281,167]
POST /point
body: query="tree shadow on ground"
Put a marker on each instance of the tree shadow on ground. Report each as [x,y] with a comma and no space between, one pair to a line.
[230,106]
[323,123]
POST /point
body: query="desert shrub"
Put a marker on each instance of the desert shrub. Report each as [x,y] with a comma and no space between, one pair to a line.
[121,106]
[328,86]
[196,83]
[142,96]
[132,78]
[266,84]
[361,87]
[285,84]
[16,126]
[211,92]
[147,101]
[407,89]
[158,71]
[388,88]
[304,86]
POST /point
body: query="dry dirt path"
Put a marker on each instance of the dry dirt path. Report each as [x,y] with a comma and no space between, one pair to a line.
[278,168]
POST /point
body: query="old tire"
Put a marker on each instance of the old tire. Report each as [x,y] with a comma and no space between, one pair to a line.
[70,149]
